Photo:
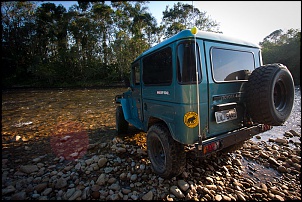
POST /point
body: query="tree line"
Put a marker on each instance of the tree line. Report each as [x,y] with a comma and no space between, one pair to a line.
[94,43]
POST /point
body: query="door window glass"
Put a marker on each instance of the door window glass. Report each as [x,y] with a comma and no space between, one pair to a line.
[186,63]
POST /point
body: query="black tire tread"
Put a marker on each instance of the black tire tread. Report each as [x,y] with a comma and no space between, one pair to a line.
[121,124]
[176,152]
[257,93]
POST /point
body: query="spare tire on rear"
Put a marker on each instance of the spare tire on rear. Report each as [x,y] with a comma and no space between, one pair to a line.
[270,94]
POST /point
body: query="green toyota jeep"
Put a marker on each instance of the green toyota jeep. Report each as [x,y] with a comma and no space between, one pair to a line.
[203,91]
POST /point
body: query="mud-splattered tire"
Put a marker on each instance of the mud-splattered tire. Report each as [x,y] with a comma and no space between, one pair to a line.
[121,124]
[168,158]
[270,94]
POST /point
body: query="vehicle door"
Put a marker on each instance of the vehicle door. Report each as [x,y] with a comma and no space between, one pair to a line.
[136,117]
[229,67]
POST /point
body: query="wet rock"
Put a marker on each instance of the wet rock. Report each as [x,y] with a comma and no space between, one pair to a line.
[210,180]
[40,187]
[237,162]
[29,169]
[295,133]
[101,179]
[114,187]
[279,198]
[211,187]
[102,162]
[75,195]
[148,196]
[46,192]
[282,169]
[19,196]
[183,185]
[218,197]
[133,177]
[61,183]
[9,189]
[177,192]
[281,141]
[273,161]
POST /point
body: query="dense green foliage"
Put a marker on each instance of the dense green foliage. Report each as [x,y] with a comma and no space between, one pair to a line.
[90,44]
[280,47]
[93,43]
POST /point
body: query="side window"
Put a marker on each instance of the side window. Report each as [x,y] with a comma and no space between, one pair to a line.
[186,63]
[231,65]
[136,74]
[157,68]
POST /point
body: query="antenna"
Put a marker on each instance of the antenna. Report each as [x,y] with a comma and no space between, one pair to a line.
[194,31]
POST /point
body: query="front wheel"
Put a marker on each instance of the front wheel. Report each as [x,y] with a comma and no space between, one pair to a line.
[168,158]
[121,124]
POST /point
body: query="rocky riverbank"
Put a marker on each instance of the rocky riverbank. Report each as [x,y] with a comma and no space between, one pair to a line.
[61,145]
[120,170]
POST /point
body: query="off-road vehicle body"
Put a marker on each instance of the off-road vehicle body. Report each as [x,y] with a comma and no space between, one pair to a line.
[205,91]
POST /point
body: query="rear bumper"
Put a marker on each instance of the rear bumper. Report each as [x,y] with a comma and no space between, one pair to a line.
[220,142]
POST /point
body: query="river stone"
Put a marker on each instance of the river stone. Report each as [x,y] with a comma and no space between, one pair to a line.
[295,133]
[9,189]
[46,191]
[95,195]
[183,185]
[211,187]
[237,162]
[209,179]
[148,196]
[226,198]
[114,187]
[29,169]
[282,169]
[95,187]
[281,141]
[112,180]
[263,187]
[102,162]
[177,192]
[101,179]
[19,196]
[40,187]
[61,183]
[218,197]
[279,198]
[133,177]
[288,134]
[273,161]
[240,196]
[75,195]
[126,191]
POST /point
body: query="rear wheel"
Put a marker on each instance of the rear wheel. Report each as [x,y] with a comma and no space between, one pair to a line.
[168,158]
[270,94]
[121,124]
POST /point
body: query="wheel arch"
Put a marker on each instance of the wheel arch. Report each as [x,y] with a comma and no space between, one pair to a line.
[155,120]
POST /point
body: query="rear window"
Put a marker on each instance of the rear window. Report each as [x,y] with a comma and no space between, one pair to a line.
[231,65]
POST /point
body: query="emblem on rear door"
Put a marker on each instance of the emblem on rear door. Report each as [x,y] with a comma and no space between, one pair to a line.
[191,119]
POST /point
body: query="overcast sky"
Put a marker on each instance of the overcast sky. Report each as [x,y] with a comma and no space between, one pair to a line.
[248,20]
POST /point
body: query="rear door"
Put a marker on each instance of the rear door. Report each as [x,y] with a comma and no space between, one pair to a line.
[228,69]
